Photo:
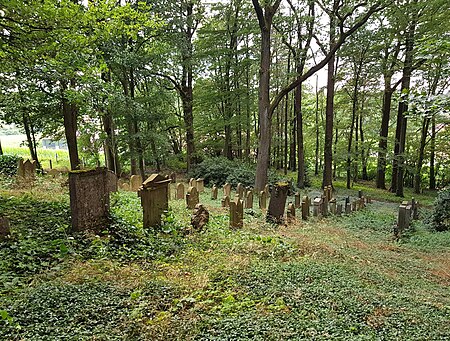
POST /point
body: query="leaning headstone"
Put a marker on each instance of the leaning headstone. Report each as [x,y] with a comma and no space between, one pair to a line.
[29,169]
[192,198]
[305,208]
[200,184]
[154,194]
[297,200]
[240,190]
[226,201]
[4,228]
[173,177]
[290,212]
[89,199]
[317,205]
[236,214]
[200,217]
[226,189]
[135,182]
[249,200]
[277,202]
[263,200]
[180,191]
[214,192]
[20,169]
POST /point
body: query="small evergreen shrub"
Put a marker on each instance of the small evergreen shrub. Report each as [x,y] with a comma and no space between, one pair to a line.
[8,164]
[440,218]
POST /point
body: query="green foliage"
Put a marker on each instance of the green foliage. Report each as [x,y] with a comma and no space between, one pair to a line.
[8,164]
[440,218]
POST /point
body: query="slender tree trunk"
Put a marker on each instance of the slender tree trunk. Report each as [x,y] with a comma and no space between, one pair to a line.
[363,149]
[316,163]
[382,143]
[1,149]
[300,144]
[70,114]
[423,138]
[432,153]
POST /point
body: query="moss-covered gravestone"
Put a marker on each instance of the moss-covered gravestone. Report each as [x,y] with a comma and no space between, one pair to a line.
[154,199]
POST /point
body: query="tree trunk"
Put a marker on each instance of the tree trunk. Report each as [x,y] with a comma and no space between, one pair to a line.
[70,114]
[316,163]
[363,151]
[432,153]
[382,144]
[423,138]
[110,144]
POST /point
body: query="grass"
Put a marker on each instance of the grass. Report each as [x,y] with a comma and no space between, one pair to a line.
[342,278]
[60,158]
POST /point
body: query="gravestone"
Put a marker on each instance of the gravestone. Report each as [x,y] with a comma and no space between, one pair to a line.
[200,217]
[20,169]
[192,183]
[317,206]
[4,228]
[332,204]
[325,206]
[263,200]
[135,182]
[226,190]
[200,184]
[180,191]
[277,202]
[89,199]
[226,201]
[53,172]
[192,197]
[236,214]
[112,181]
[361,203]
[415,213]
[348,207]
[339,209]
[154,194]
[297,200]
[354,205]
[214,192]
[305,208]
[330,192]
[402,220]
[290,212]
[240,190]
[249,200]
[173,177]
[29,169]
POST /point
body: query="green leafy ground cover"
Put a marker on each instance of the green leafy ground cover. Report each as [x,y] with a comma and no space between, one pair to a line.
[339,278]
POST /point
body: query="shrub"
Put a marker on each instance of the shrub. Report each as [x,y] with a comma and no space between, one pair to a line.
[8,164]
[440,218]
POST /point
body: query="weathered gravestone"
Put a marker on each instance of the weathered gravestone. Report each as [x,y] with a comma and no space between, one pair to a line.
[173,177]
[317,207]
[240,190]
[305,208]
[4,228]
[324,208]
[354,205]
[20,170]
[135,182]
[332,204]
[214,192]
[53,172]
[112,181]
[226,190]
[263,200]
[154,194]
[29,169]
[414,206]
[89,199]
[249,200]
[402,219]
[200,217]
[192,198]
[236,213]
[290,212]
[192,183]
[200,184]
[277,202]
[226,201]
[180,191]
[348,207]
[297,201]
[339,209]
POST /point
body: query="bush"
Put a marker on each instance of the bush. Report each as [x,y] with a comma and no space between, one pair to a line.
[8,164]
[220,170]
[440,218]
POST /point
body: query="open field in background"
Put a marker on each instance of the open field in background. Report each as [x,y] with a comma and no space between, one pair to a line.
[340,278]
[59,157]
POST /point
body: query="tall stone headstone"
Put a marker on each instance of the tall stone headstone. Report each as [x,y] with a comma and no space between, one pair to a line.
[324,208]
[214,192]
[305,208]
[290,212]
[226,189]
[263,200]
[348,207]
[298,200]
[402,220]
[226,201]
[135,182]
[192,183]
[154,194]
[414,207]
[236,214]
[180,191]
[317,207]
[112,181]
[277,203]
[333,206]
[240,190]
[200,184]
[4,228]
[20,169]
[192,197]
[249,200]
[89,199]
[29,169]
[339,209]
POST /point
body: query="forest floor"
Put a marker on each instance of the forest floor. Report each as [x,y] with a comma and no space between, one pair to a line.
[335,278]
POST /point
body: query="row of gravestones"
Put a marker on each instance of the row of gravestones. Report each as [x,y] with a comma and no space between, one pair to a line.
[407,212]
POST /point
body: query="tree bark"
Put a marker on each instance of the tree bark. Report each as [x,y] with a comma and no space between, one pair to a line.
[70,114]
[423,138]
[432,153]
[382,143]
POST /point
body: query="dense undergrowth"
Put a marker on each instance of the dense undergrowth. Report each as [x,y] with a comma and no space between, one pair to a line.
[338,278]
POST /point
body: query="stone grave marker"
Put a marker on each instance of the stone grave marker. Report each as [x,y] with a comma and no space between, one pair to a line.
[354,205]
[240,190]
[339,209]
[200,184]
[402,220]
[290,212]
[135,182]
[317,205]
[415,212]
[226,189]
[297,200]
[332,204]
[277,203]
[226,201]
[180,191]
[325,206]
[263,200]
[200,217]
[20,169]
[249,200]
[348,207]
[4,228]
[173,177]
[154,199]
[192,183]
[236,214]
[89,199]
[192,198]
[112,181]
[29,169]
[305,208]
[214,192]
